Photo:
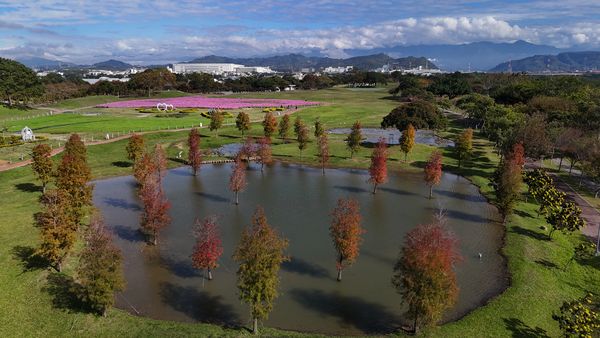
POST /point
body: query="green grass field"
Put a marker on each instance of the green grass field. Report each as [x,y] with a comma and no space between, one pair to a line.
[30,297]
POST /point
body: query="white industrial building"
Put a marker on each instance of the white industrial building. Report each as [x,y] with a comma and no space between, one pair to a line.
[259,70]
[210,68]
[338,70]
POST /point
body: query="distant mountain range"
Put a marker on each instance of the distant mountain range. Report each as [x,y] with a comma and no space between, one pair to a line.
[46,64]
[295,62]
[476,56]
[563,62]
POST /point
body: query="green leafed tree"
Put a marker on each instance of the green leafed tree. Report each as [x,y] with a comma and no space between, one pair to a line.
[319,128]
[17,82]
[259,254]
[464,146]
[284,127]
[354,138]
[216,121]
[100,270]
[242,122]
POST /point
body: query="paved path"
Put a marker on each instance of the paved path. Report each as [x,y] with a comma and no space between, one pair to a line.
[588,212]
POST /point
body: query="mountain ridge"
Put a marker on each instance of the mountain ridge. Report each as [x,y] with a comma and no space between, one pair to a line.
[562,62]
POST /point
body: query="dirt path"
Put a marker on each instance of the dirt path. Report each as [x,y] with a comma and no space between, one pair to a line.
[9,166]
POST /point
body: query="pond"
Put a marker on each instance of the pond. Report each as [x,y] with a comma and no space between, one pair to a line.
[392,136]
[298,200]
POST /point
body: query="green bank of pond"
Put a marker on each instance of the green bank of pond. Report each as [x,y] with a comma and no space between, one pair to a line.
[162,283]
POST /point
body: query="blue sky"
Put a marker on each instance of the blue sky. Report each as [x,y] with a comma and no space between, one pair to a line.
[161,31]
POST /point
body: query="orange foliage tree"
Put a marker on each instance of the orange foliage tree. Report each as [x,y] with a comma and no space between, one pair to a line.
[378,168]
[264,152]
[269,125]
[42,164]
[433,171]
[407,140]
[424,275]
[346,231]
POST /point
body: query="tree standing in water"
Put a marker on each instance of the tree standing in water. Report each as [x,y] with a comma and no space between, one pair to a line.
[264,153]
[237,181]
[346,231]
[433,171]
[323,151]
[378,168]
[208,246]
[194,156]
[424,273]
[259,254]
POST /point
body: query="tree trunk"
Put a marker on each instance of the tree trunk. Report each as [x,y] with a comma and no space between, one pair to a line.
[339,276]
[59,267]
[323,167]
[374,188]
[43,188]
[209,274]
[571,167]
[560,163]
[255,326]
[430,191]
[405,156]
[262,164]
[155,238]
[237,202]
[415,327]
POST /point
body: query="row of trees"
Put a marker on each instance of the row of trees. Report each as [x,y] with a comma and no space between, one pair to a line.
[61,222]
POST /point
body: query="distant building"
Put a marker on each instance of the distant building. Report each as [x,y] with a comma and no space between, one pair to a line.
[259,70]
[338,70]
[210,68]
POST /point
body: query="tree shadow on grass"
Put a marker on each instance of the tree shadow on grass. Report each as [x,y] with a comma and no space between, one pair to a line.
[29,260]
[523,214]
[122,164]
[530,233]
[370,318]
[61,287]
[547,264]
[28,187]
[199,305]
[521,330]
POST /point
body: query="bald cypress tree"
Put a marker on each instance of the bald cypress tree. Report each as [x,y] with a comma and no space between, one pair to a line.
[100,271]
[42,164]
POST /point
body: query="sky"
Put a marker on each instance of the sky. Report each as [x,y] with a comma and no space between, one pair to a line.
[166,31]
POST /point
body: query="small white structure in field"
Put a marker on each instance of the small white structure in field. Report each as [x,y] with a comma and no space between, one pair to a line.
[27,134]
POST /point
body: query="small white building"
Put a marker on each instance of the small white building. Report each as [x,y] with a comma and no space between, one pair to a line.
[27,134]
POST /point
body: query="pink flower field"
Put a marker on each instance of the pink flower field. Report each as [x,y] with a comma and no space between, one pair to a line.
[209,102]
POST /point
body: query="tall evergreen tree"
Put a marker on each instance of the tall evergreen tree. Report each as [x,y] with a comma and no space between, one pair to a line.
[319,128]
[259,254]
[100,270]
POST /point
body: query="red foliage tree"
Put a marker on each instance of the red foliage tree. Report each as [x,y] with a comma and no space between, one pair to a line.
[237,181]
[248,150]
[143,167]
[378,168]
[264,152]
[346,231]
[424,274]
[194,156]
[433,171]
[208,247]
[517,155]
[155,215]
[323,151]
[160,163]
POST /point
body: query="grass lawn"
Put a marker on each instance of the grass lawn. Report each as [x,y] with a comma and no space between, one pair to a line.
[30,304]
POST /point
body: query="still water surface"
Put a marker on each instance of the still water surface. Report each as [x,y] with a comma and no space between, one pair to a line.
[298,200]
